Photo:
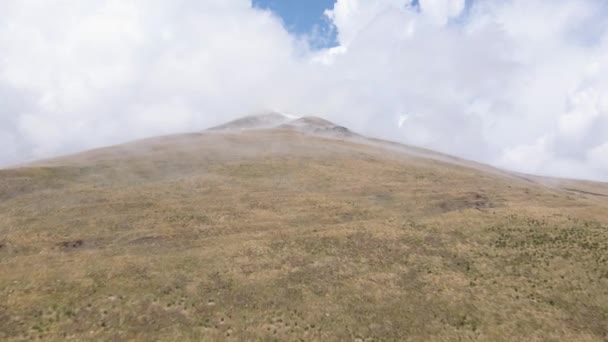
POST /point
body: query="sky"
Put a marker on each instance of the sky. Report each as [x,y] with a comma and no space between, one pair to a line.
[304,18]
[519,84]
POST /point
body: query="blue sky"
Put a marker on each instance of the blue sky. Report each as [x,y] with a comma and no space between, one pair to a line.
[303,17]
[306,17]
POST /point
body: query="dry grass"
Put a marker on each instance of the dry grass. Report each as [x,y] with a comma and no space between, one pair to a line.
[274,235]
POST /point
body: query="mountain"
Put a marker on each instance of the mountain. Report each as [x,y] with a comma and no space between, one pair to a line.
[275,228]
[308,124]
[266,120]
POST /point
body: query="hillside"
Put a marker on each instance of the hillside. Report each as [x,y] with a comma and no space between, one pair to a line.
[281,229]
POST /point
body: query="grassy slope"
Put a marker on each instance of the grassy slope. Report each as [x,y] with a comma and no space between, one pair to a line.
[279,236]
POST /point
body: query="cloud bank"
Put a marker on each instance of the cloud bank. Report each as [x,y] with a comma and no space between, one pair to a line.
[521,84]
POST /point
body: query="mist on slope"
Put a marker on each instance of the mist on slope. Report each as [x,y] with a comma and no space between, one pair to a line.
[517,84]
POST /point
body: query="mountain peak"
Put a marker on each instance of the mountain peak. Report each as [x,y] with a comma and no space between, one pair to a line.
[305,124]
[256,121]
[317,125]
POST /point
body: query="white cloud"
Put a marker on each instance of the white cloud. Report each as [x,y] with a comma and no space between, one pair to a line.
[352,16]
[587,105]
[108,71]
[598,157]
[520,83]
[528,157]
[440,11]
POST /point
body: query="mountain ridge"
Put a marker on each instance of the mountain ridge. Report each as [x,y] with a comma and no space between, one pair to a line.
[316,126]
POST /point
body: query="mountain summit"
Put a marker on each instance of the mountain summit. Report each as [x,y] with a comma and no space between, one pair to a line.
[260,121]
[275,228]
[308,124]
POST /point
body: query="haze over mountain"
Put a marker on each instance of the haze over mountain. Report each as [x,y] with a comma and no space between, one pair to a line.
[279,228]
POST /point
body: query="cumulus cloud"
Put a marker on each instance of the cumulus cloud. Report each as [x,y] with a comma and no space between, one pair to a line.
[521,84]
[440,11]
[78,75]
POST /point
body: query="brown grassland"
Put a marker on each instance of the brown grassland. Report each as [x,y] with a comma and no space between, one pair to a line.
[277,235]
